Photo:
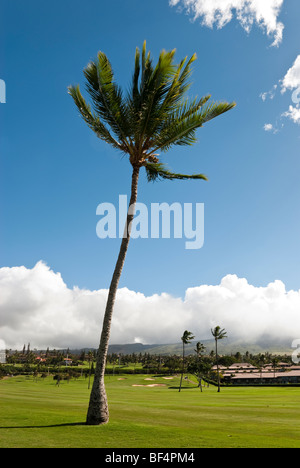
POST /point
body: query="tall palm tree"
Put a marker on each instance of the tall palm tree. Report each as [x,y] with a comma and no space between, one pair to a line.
[153,116]
[218,334]
[186,338]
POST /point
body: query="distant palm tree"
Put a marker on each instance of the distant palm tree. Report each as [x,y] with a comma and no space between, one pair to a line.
[275,361]
[261,362]
[155,115]
[200,348]
[218,334]
[186,338]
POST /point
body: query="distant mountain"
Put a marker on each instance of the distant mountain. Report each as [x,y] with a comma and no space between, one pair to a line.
[226,346]
[130,348]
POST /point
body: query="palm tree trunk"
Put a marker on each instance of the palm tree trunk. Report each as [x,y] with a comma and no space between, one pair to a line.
[98,407]
[182,367]
[218,366]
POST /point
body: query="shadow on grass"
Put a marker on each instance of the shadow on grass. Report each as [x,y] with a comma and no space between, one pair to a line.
[44,426]
[182,388]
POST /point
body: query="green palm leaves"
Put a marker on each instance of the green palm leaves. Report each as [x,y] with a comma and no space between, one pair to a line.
[153,116]
[187,337]
[219,333]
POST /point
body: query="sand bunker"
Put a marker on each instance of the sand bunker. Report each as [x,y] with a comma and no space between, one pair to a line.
[168,378]
[151,385]
[149,379]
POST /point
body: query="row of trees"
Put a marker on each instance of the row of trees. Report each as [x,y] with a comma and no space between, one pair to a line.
[202,365]
[49,357]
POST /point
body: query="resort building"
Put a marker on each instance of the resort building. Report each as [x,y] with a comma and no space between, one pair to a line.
[246,374]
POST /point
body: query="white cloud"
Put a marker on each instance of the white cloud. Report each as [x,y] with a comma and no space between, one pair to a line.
[291,81]
[248,12]
[263,96]
[36,306]
[292,77]
[269,94]
[268,127]
[293,113]
[271,128]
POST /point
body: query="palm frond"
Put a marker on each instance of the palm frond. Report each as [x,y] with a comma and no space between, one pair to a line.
[91,119]
[180,128]
[107,97]
[147,92]
[156,171]
[179,85]
[135,95]
[155,89]
[159,94]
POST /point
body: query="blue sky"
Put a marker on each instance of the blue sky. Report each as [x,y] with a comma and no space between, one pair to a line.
[54,172]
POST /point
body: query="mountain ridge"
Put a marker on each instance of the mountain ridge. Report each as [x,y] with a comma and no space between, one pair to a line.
[225,347]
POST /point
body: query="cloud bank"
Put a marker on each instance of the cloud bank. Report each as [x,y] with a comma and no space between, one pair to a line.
[264,13]
[36,306]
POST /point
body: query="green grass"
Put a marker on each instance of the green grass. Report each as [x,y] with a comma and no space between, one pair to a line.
[42,415]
